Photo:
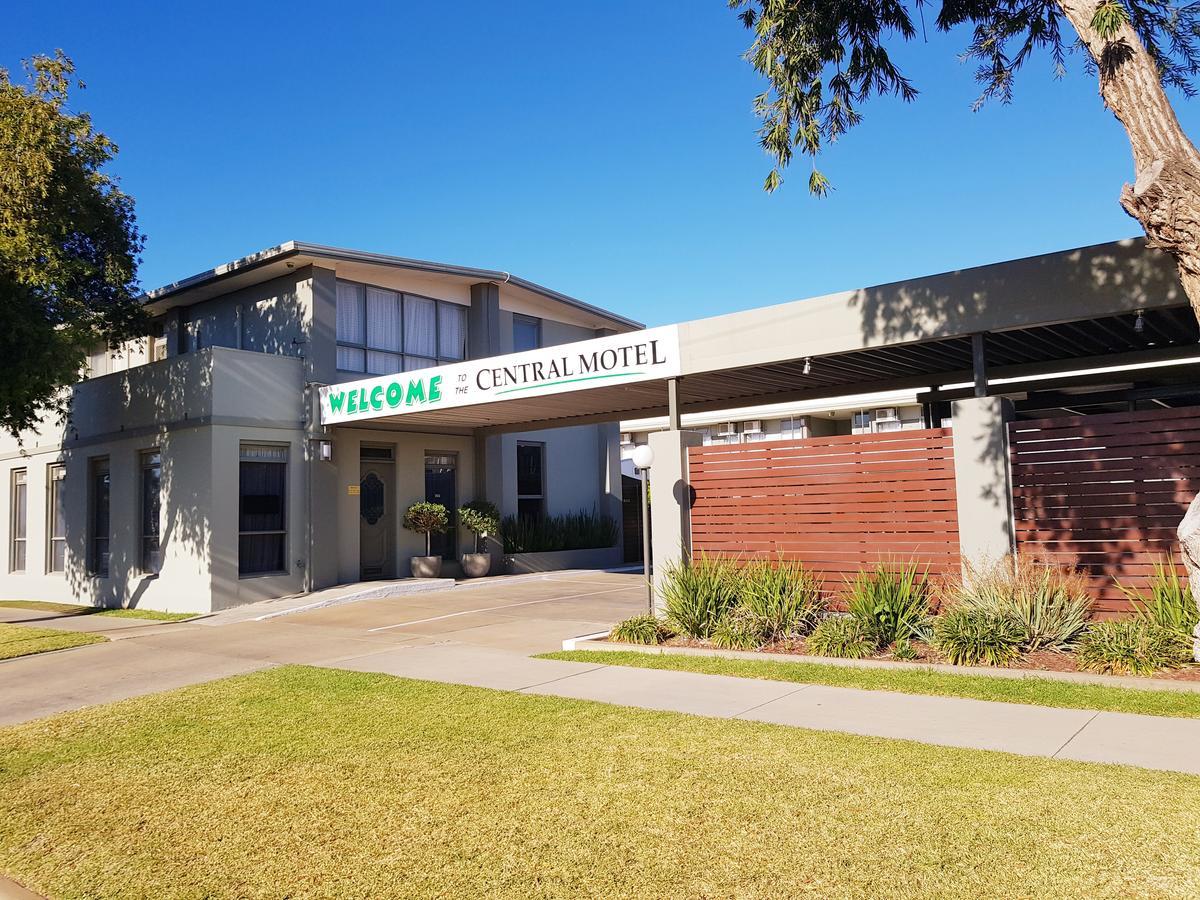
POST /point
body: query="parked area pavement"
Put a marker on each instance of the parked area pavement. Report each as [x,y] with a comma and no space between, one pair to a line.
[482,633]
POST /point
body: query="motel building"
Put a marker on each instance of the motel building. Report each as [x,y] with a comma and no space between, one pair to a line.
[265,439]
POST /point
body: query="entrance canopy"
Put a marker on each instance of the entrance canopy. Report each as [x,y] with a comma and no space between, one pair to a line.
[1116,304]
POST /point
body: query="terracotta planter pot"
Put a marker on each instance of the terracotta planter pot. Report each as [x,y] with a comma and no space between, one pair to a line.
[426,566]
[476,565]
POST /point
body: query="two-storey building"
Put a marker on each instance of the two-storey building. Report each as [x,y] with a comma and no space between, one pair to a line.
[194,474]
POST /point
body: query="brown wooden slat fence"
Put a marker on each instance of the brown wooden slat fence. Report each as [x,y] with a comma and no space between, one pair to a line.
[1105,492]
[837,504]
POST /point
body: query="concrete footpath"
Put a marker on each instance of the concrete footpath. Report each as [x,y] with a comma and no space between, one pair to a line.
[1148,741]
[483,636]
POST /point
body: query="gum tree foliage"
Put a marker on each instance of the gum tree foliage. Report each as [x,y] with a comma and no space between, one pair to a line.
[69,246]
[822,59]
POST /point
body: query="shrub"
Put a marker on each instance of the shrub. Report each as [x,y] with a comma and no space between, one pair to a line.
[1050,603]
[1170,604]
[843,636]
[481,518]
[904,650]
[968,636]
[784,594]
[1131,647]
[571,531]
[742,629]
[642,629]
[697,596]
[426,518]
[892,601]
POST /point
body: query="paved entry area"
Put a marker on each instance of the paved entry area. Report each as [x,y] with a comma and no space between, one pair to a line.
[526,614]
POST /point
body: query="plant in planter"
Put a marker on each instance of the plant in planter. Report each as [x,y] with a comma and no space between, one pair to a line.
[426,518]
[481,518]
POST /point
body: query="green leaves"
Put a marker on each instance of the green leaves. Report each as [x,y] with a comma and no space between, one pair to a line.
[69,245]
[1109,18]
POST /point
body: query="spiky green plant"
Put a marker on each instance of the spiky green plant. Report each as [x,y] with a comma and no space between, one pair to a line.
[904,650]
[1051,603]
[969,637]
[843,636]
[742,629]
[641,629]
[698,594]
[893,600]
[783,593]
[1170,603]
[1131,647]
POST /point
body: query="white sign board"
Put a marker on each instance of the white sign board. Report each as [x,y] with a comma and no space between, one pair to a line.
[618,359]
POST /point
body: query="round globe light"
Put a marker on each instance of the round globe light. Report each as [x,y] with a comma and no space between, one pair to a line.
[643,456]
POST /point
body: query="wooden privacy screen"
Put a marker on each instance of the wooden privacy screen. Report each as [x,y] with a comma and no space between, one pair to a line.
[1105,492]
[837,504]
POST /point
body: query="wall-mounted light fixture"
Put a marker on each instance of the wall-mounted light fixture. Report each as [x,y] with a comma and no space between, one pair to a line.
[808,365]
[1139,324]
[325,451]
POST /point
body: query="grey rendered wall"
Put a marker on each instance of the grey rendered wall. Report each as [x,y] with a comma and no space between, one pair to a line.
[265,318]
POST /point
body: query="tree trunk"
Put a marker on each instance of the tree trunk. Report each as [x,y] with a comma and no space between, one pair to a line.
[1165,195]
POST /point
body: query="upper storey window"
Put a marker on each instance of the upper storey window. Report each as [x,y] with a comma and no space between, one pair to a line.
[380,331]
[527,333]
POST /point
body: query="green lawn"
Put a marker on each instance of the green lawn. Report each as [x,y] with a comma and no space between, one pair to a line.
[24,640]
[79,610]
[1038,691]
[311,782]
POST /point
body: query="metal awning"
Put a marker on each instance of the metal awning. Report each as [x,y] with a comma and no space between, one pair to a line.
[1114,304]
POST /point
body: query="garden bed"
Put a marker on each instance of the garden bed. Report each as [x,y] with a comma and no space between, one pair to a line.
[1042,663]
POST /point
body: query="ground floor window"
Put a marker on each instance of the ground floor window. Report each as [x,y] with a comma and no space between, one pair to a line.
[98,520]
[151,503]
[262,508]
[19,504]
[531,480]
[441,486]
[56,520]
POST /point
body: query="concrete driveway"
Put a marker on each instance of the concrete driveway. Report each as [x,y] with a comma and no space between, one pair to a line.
[493,617]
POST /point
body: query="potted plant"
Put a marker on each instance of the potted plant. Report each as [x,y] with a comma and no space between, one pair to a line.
[481,518]
[426,518]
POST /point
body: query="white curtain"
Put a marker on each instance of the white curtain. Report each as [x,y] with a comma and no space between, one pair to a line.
[349,313]
[383,320]
[383,363]
[420,326]
[349,359]
[452,331]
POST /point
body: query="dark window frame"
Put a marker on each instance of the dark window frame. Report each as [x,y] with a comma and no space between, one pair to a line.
[536,323]
[18,546]
[366,347]
[99,539]
[56,477]
[283,508]
[150,460]
[540,496]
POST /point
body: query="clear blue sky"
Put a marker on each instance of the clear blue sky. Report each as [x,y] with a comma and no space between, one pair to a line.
[605,149]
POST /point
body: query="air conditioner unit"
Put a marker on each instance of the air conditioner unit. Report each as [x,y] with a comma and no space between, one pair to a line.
[725,429]
[754,426]
[886,414]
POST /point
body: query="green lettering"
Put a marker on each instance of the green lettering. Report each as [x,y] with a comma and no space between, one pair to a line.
[352,406]
[416,392]
[395,394]
[435,388]
[337,401]
[377,397]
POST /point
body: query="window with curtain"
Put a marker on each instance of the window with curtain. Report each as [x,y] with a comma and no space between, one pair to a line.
[262,510]
[98,518]
[527,333]
[151,504]
[56,520]
[380,331]
[19,503]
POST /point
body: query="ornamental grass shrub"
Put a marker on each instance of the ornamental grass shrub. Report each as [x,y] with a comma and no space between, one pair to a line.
[698,596]
[641,629]
[783,594]
[742,629]
[1131,647]
[892,601]
[970,636]
[582,530]
[1169,603]
[1050,603]
[846,637]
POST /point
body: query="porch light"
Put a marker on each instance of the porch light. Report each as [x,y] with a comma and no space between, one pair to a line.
[808,365]
[325,451]
[643,456]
